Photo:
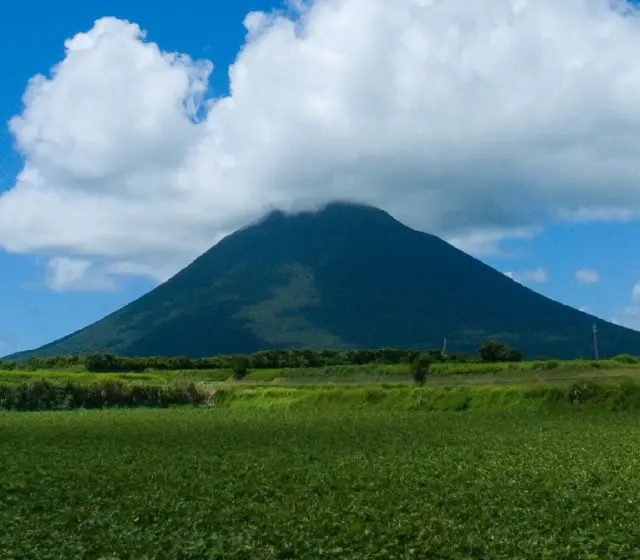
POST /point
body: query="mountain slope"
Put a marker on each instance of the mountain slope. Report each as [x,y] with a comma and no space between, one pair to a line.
[346,276]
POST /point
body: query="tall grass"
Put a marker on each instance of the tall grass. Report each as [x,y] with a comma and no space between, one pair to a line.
[623,395]
[45,395]
[84,377]
[438,369]
[340,373]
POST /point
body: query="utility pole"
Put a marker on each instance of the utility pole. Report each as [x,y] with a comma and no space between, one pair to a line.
[595,341]
[444,349]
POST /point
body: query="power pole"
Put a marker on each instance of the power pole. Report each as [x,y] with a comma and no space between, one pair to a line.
[595,341]
[444,349]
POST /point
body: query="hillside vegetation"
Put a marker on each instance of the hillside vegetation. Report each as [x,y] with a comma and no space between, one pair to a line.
[346,277]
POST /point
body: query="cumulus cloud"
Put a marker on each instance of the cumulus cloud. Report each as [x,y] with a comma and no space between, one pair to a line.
[586,276]
[629,315]
[535,276]
[476,121]
[486,241]
[65,274]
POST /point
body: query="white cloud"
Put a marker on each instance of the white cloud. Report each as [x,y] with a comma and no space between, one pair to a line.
[65,274]
[628,316]
[539,275]
[487,241]
[477,121]
[586,276]
[535,276]
[599,214]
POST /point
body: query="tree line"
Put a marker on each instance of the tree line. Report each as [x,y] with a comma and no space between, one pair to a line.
[102,362]
[492,351]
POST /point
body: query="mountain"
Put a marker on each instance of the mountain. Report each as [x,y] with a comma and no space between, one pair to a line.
[347,276]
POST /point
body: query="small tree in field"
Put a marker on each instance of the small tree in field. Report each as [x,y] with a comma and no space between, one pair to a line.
[512,355]
[495,351]
[240,367]
[419,368]
[492,350]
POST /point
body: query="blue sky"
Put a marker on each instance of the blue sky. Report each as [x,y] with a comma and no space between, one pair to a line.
[37,309]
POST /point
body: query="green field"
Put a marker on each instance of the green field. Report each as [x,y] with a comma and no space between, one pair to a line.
[224,483]
[529,460]
[439,373]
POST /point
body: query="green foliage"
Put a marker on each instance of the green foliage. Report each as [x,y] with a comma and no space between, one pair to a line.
[348,484]
[625,359]
[240,367]
[495,351]
[101,362]
[420,367]
[458,372]
[622,395]
[42,394]
[492,353]
[45,395]
[105,362]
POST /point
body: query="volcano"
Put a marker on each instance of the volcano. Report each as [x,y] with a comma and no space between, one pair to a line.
[346,276]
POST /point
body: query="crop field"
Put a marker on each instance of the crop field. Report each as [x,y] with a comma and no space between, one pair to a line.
[225,483]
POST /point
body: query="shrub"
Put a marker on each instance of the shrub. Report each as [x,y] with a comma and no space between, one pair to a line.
[625,359]
[44,395]
[240,368]
[496,351]
[419,368]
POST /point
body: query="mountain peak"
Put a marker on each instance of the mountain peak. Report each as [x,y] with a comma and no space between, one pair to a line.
[333,211]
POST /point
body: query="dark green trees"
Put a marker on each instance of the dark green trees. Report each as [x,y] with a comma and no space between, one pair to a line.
[240,367]
[420,367]
[495,351]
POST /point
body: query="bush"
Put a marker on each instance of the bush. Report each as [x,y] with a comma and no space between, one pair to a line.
[625,359]
[420,367]
[98,362]
[44,395]
[496,351]
[240,368]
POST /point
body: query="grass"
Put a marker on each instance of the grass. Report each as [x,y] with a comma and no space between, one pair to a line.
[151,378]
[615,393]
[224,483]
[447,373]
[382,372]
[619,395]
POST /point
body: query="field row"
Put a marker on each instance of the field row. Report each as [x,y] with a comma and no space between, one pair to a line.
[452,373]
[206,483]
